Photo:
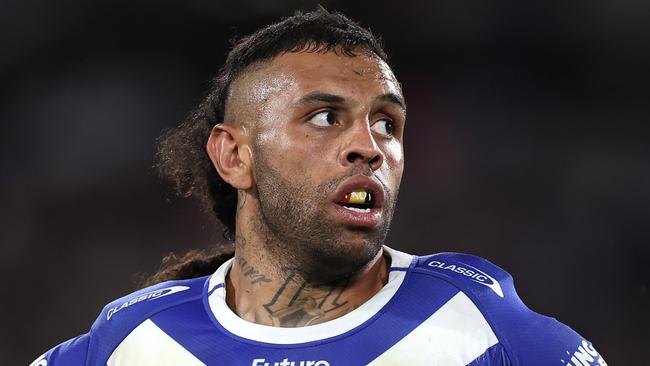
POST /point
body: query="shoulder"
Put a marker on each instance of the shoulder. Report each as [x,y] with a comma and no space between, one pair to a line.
[467,272]
[119,318]
[528,337]
[140,305]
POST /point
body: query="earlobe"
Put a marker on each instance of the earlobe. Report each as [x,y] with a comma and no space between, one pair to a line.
[230,155]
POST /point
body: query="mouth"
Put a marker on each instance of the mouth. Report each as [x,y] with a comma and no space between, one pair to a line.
[359,201]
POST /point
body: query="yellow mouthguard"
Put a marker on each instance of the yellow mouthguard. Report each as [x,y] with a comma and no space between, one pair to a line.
[358,197]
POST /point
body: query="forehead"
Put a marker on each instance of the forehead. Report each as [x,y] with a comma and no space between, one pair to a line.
[309,69]
[294,74]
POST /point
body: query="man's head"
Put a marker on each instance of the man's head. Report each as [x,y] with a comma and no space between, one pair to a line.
[307,112]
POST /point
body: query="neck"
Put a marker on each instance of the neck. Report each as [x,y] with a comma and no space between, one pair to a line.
[262,289]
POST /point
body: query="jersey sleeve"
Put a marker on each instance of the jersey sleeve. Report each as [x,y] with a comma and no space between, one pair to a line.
[527,338]
[545,341]
[117,320]
[70,353]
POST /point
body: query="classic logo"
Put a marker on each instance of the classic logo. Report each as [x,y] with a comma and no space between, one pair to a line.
[472,273]
[146,297]
[286,362]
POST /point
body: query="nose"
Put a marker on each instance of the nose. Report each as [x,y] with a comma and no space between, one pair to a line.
[361,148]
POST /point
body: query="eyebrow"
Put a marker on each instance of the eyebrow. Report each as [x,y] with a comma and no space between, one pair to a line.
[320,97]
[337,99]
[393,98]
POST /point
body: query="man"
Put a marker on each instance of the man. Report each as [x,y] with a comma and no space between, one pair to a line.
[298,151]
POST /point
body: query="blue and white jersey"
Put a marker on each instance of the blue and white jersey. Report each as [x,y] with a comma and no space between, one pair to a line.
[445,309]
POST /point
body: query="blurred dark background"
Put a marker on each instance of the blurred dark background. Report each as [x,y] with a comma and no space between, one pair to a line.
[527,143]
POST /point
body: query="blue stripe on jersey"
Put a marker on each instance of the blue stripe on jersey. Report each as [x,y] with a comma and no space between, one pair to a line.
[189,325]
[403,269]
[214,288]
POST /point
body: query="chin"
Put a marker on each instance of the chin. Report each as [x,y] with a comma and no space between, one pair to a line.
[343,258]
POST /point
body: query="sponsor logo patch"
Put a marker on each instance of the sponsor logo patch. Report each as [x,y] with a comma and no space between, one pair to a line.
[287,362]
[585,355]
[471,273]
[145,297]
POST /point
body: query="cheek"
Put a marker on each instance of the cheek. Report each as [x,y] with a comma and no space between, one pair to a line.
[294,152]
[394,154]
[272,149]
[394,164]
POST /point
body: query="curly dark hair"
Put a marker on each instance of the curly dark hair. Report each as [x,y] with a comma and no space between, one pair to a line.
[181,157]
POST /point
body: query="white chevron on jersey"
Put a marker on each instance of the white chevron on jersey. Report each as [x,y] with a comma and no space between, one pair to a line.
[149,345]
[454,335]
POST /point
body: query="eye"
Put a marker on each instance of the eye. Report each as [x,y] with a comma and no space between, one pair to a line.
[384,127]
[323,119]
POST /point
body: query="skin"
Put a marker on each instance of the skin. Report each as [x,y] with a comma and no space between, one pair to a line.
[296,127]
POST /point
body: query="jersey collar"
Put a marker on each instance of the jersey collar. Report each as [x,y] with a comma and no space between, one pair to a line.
[240,328]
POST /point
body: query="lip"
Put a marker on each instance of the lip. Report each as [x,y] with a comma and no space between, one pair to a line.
[360,182]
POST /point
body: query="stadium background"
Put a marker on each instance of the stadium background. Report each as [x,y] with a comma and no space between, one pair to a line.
[526,144]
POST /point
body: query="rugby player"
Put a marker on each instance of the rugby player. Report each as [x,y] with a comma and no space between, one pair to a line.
[298,150]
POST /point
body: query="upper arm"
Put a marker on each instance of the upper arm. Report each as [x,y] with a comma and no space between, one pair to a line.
[527,338]
[535,339]
[70,353]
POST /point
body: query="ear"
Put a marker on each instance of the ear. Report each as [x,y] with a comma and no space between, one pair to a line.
[230,154]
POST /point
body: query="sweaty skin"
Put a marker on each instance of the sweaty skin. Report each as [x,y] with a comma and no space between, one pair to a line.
[286,144]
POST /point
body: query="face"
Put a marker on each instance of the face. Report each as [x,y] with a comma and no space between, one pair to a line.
[327,153]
